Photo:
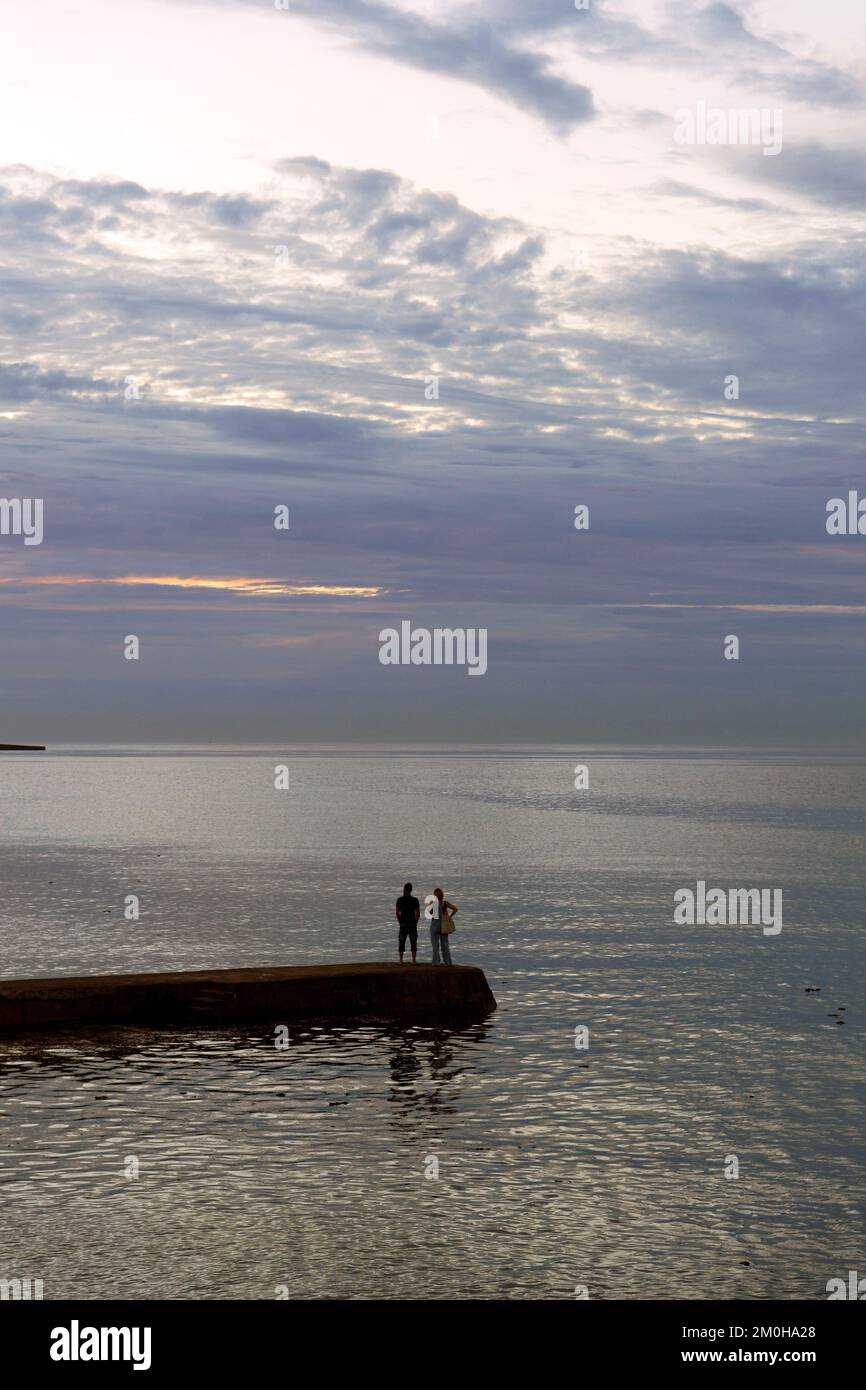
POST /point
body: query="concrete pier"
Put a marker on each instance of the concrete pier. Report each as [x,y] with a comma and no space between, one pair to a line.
[406,993]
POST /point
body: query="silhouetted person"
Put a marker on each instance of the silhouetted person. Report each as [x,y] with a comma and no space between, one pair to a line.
[408,912]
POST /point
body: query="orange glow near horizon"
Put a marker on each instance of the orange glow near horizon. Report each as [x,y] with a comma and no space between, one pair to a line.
[267,588]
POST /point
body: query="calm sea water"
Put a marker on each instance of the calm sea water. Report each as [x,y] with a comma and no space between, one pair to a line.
[304,1170]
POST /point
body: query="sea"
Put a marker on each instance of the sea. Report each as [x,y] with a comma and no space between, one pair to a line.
[655,1110]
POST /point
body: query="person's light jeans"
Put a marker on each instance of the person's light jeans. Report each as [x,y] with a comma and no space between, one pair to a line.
[439,941]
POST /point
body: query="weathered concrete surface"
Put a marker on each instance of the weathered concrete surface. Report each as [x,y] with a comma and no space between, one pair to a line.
[409,993]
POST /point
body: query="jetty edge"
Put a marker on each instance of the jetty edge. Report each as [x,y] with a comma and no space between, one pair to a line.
[22,747]
[281,994]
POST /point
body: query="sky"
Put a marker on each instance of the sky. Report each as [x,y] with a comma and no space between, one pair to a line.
[431,276]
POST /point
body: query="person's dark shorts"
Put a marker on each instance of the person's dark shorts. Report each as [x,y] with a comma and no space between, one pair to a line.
[409,929]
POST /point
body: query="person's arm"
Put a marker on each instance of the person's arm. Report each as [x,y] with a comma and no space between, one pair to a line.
[452,908]
[397,911]
[417,913]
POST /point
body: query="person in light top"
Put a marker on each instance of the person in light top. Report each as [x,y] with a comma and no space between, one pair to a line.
[439,912]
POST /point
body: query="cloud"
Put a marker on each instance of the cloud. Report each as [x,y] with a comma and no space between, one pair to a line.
[840,610]
[236,211]
[681,36]
[833,177]
[300,379]
[470,48]
[244,587]
[722,37]
[395,272]
[674,188]
[23,382]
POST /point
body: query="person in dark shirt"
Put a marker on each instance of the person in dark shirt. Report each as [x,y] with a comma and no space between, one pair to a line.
[408,912]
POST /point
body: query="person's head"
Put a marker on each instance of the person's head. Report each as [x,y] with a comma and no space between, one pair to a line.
[439,894]
[407,889]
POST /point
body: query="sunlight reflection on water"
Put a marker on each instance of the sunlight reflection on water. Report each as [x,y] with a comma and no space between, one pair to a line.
[305,1168]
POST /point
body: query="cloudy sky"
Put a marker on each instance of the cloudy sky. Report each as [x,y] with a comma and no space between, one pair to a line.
[239,240]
